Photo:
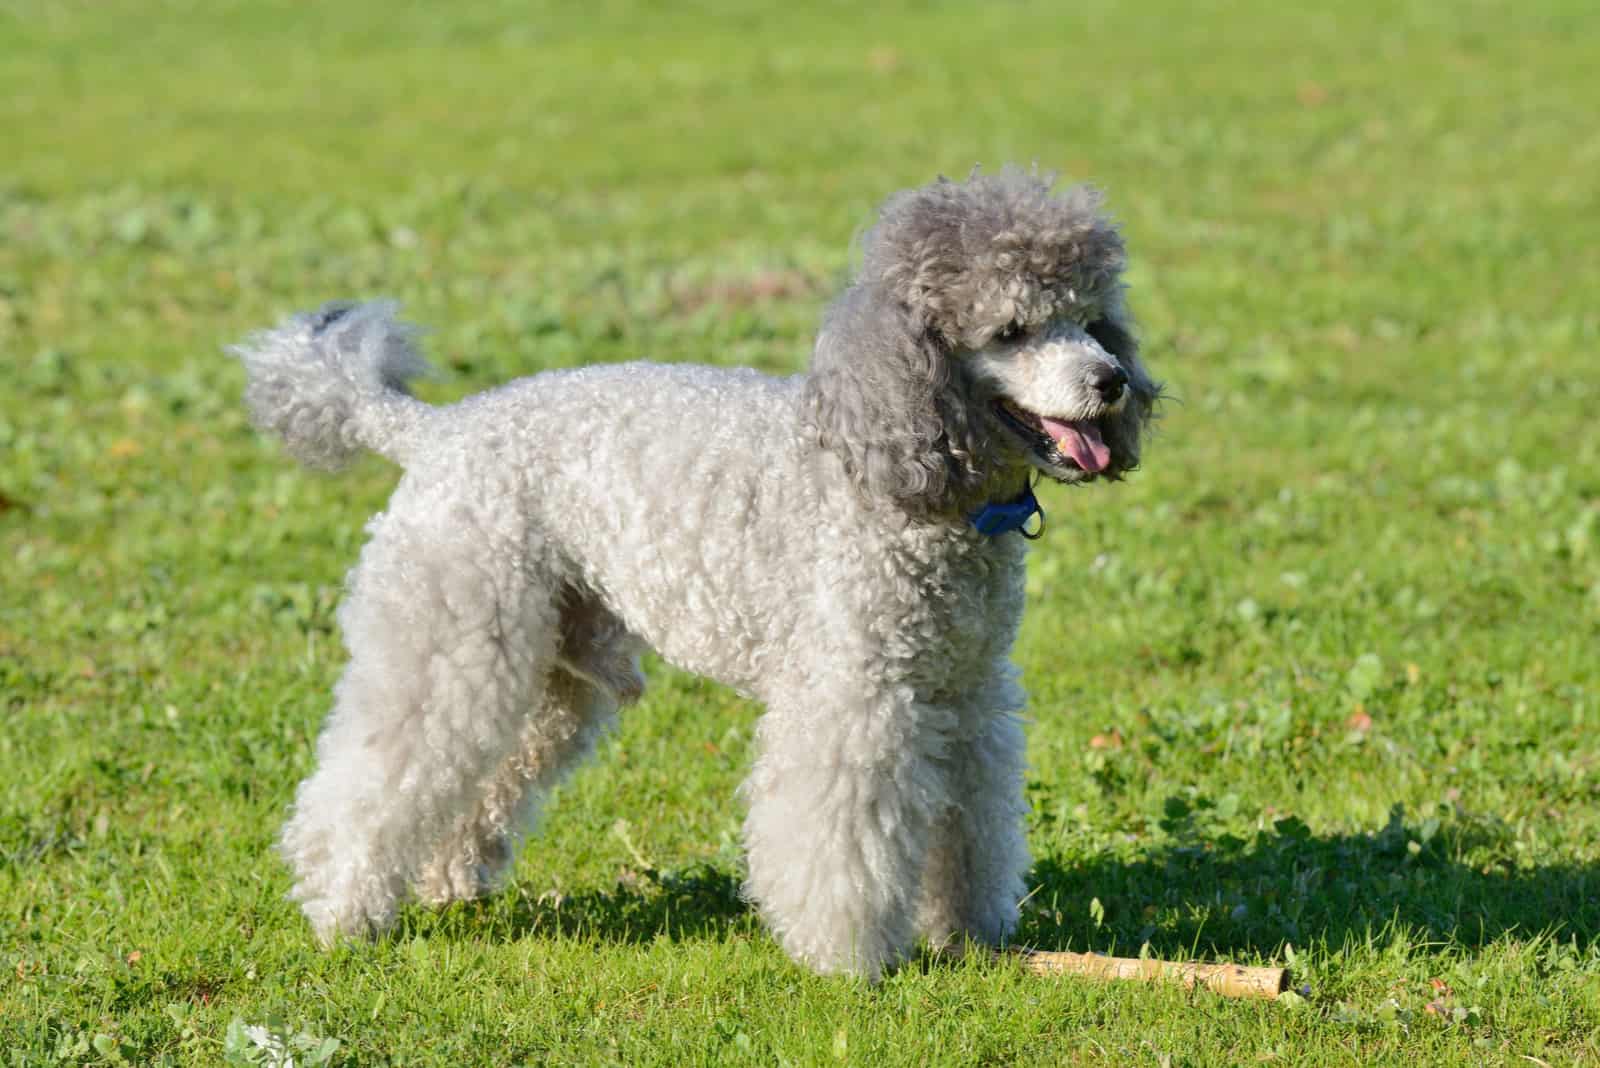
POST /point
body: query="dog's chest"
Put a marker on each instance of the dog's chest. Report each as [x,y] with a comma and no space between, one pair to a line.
[962,607]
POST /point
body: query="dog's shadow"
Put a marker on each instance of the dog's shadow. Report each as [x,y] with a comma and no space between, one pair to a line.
[698,902]
[1454,881]
[1451,882]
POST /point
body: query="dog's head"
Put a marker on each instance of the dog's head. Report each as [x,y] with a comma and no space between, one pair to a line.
[985,333]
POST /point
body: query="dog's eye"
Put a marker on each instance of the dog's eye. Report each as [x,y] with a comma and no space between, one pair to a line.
[1010,332]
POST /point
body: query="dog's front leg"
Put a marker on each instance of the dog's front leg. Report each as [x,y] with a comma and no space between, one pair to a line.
[978,858]
[840,803]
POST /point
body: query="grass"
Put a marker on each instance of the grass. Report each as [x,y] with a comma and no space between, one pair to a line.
[1320,686]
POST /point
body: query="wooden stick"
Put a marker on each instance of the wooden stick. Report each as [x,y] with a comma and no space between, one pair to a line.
[1229,980]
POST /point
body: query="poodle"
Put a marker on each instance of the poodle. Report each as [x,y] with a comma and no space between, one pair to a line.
[844,545]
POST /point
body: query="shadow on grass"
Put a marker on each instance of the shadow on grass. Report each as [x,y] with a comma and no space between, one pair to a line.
[697,902]
[1452,883]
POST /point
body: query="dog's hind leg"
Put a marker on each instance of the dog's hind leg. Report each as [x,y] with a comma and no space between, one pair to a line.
[597,671]
[449,628]
[474,859]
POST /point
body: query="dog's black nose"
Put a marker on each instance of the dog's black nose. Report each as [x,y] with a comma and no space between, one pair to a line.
[1108,381]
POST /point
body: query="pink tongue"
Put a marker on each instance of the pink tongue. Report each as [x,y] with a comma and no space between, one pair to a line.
[1081,441]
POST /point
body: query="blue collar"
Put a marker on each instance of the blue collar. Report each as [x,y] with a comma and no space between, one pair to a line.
[1002,517]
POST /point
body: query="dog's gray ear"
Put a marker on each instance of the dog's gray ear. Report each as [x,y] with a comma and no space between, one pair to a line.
[1115,335]
[885,396]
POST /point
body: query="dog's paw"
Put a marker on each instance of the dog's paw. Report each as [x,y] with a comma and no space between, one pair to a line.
[332,923]
[444,882]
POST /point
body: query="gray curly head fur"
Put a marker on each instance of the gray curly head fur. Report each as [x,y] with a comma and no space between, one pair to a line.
[947,267]
[334,381]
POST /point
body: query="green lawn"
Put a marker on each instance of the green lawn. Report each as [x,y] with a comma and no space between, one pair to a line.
[1320,686]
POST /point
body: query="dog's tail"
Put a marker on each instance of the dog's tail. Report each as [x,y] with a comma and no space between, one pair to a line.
[332,382]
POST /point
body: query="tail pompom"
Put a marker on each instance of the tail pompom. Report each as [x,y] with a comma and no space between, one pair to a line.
[333,381]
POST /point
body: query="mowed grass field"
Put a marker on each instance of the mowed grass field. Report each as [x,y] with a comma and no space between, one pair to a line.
[1318,687]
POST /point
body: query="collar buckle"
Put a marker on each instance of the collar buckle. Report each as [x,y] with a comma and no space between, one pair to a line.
[1003,517]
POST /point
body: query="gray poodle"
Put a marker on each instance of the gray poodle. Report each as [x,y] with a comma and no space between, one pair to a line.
[846,546]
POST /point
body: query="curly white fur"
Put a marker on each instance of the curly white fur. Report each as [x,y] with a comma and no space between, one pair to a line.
[804,540]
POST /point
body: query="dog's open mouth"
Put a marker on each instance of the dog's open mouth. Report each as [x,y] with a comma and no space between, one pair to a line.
[1078,443]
